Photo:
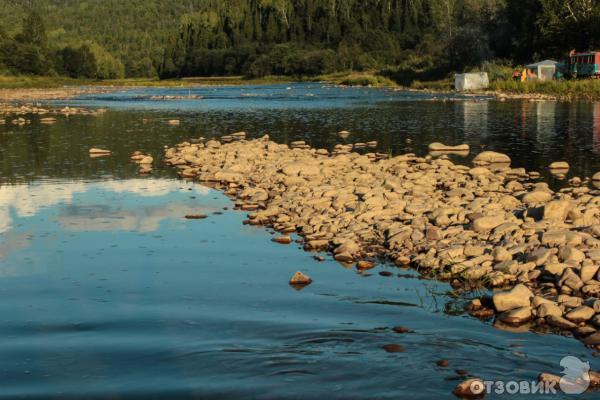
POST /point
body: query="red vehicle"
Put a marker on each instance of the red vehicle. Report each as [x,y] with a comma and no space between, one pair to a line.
[584,65]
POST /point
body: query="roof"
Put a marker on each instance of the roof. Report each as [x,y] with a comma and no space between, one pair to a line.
[545,63]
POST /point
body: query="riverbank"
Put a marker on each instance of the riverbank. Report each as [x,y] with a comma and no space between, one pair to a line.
[489,225]
[30,89]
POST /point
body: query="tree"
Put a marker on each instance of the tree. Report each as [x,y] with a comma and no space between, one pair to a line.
[34,31]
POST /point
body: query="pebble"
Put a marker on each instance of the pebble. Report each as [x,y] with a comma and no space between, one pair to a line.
[300,279]
[282,239]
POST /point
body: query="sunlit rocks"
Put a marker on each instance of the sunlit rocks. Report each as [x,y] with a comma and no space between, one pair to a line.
[537,197]
[300,279]
[557,210]
[173,122]
[490,158]
[580,314]
[519,296]
[484,224]
[489,225]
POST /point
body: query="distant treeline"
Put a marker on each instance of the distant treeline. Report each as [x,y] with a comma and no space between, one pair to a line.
[29,52]
[409,39]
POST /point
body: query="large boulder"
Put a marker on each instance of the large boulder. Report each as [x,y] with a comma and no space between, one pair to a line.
[519,296]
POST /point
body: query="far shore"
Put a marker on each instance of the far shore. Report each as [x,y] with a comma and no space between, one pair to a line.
[28,89]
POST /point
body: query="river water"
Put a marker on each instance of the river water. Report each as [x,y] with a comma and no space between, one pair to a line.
[108,292]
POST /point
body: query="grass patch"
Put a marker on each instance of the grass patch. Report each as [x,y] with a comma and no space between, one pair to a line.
[439,85]
[48,82]
[372,79]
[39,82]
[584,89]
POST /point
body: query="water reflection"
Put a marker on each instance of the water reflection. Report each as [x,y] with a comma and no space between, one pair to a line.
[545,112]
[475,119]
[100,207]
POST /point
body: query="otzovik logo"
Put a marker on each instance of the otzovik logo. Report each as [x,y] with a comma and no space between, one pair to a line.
[575,380]
[576,377]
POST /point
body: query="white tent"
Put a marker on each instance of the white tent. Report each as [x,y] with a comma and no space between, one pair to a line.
[471,81]
[544,70]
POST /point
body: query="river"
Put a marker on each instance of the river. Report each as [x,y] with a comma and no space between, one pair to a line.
[109,292]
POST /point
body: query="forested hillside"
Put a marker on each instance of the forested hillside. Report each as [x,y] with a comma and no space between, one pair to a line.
[410,38]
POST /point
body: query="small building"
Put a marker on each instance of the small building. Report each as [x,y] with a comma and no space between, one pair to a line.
[543,70]
[471,81]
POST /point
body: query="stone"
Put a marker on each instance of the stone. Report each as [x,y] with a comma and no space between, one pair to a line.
[300,279]
[554,238]
[491,157]
[519,296]
[473,388]
[555,268]
[364,265]
[484,224]
[559,165]
[571,254]
[401,329]
[588,272]
[442,363]
[550,379]
[537,197]
[580,314]
[501,254]
[516,316]
[302,169]
[592,340]
[557,210]
[547,309]
[560,322]
[283,239]
[393,348]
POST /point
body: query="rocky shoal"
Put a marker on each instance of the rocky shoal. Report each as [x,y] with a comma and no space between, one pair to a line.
[486,224]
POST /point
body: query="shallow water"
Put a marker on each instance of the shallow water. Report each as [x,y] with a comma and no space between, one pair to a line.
[108,292]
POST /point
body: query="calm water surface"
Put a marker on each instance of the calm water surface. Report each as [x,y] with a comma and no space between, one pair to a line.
[108,292]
